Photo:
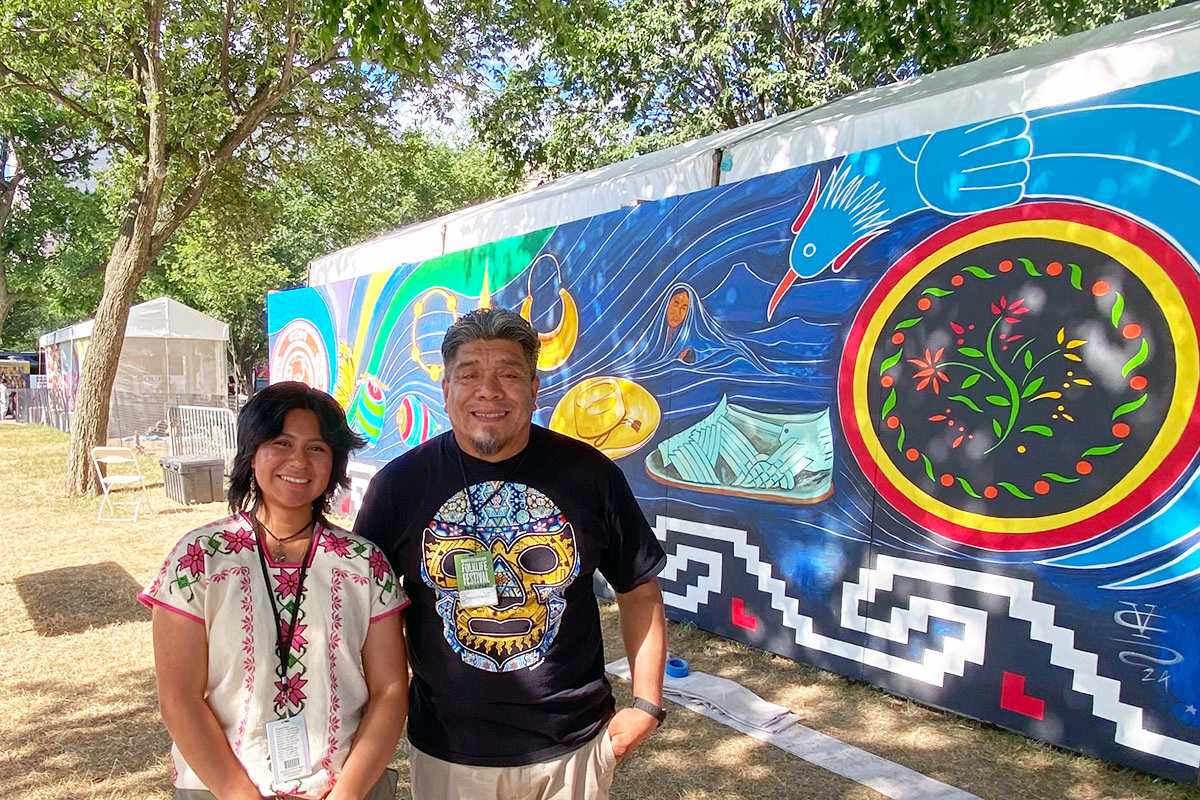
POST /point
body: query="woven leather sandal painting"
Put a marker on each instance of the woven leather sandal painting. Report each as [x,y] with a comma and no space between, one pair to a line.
[745,453]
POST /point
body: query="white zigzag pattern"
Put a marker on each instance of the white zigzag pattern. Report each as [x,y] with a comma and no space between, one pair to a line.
[935,665]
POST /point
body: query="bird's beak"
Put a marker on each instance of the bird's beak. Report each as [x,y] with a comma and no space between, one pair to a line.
[781,290]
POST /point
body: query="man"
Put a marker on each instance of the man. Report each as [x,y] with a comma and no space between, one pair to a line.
[496,528]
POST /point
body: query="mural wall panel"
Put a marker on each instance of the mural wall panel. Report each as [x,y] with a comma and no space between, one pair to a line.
[924,415]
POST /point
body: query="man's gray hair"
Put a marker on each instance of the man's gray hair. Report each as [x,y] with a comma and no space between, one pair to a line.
[487,324]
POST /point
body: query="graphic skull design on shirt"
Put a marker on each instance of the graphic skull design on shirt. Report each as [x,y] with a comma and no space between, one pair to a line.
[534,557]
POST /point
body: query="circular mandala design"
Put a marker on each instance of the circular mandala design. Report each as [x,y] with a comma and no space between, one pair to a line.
[1026,378]
[300,356]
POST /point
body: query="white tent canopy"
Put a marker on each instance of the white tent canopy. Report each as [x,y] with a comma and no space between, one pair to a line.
[1149,48]
[160,318]
[172,355]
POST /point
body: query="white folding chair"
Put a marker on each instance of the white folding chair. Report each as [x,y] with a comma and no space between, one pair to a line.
[118,467]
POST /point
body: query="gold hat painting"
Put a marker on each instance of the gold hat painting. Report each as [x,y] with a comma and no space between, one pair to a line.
[614,415]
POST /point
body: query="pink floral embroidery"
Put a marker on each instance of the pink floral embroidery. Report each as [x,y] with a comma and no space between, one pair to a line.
[336,587]
[298,640]
[287,581]
[193,560]
[158,581]
[379,565]
[247,647]
[238,540]
[290,691]
[338,545]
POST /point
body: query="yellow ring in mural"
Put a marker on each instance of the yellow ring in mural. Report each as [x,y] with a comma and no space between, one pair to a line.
[614,415]
[1137,261]
[433,370]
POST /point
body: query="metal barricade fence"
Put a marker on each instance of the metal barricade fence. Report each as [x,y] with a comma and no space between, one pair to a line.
[41,407]
[203,431]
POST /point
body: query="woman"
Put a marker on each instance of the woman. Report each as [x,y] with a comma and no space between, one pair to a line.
[300,689]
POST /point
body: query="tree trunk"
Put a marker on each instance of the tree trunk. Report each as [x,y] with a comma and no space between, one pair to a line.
[8,194]
[131,258]
[7,301]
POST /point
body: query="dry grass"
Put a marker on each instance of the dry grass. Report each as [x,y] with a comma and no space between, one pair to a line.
[79,712]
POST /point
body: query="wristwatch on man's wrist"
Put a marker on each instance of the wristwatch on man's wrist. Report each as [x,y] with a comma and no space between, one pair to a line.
[658,712]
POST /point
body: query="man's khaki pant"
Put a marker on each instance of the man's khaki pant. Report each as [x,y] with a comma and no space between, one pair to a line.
[584,774]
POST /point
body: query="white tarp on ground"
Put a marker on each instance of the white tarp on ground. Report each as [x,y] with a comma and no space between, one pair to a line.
[1153,47]
[160,318]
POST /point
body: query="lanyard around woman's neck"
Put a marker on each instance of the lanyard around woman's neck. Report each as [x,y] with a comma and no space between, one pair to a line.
[284,639]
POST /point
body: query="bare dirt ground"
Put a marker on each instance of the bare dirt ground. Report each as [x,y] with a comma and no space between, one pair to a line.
[78,713]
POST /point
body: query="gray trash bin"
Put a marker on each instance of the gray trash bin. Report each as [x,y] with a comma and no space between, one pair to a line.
[194,479]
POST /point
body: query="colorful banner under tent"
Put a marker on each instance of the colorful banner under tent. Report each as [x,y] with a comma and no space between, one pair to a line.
[909,394]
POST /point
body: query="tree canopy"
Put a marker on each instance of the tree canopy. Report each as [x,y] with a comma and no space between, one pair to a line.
[620,77]
[51,227]
[173,90]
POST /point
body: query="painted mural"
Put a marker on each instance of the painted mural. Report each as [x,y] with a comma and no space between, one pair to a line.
[64,364]
[924,415]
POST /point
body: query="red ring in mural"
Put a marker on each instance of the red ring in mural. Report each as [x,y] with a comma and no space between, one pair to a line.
[1031,532]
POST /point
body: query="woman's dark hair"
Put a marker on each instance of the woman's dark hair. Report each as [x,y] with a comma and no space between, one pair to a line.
[262,420]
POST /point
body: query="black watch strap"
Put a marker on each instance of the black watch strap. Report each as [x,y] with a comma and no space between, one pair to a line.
[658,712]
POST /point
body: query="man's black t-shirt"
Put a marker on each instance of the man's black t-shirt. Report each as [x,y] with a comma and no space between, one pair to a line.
[522,681]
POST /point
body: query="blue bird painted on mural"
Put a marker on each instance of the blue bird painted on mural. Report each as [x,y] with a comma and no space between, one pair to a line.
[1126,156]
[847,211]
[959,171]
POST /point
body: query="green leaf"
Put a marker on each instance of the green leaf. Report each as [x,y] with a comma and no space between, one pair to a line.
[890,361]
[966,401]
[1015,491]
[1102,451]
[997,429]
[967,487]
[908,323]
[1032,388]
[1118,307]
[1029,267]
[1028,360]
[971,352]
[888,404]
[978,272]
[998,400]
[928,468]
[1054,476]
[1076,277]
[936,292]
[1132,405]
[1136,361]
[971,380]
[1040,430]
[900,440]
